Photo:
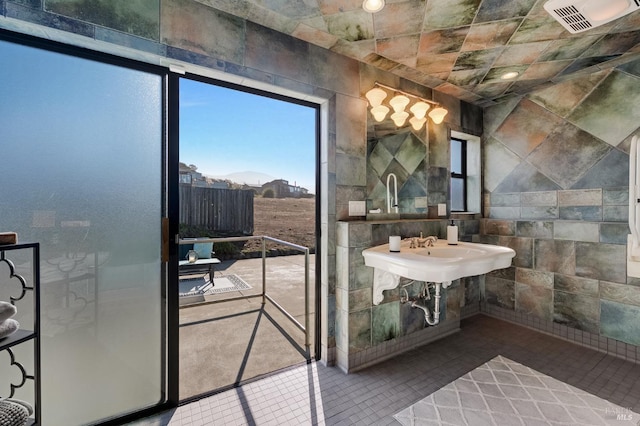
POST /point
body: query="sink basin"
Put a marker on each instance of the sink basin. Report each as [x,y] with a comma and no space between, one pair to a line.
[441,263]
[449,252]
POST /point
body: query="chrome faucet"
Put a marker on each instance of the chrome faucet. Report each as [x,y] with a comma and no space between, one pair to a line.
[392,202]
[423,242]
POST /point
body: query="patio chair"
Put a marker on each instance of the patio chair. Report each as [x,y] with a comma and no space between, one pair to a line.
[204,263]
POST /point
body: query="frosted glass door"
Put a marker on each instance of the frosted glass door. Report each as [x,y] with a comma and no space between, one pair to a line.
[81,147]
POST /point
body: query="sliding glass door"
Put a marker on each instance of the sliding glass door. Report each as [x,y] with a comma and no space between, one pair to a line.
[82,147]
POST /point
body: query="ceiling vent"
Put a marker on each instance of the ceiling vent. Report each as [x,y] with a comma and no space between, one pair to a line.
[581,15]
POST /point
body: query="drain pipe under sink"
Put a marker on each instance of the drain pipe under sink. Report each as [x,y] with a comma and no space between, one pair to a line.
[436,311]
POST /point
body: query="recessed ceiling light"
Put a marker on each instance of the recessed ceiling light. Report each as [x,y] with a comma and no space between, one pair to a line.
[509,75]
[373,6]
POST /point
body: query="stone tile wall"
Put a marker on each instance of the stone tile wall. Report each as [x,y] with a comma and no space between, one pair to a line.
[595,341]
[367,333]
[556,190]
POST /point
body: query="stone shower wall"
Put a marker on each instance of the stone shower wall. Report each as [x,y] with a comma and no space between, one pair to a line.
[556,190]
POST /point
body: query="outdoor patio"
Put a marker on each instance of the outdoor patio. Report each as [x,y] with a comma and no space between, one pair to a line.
[224,343]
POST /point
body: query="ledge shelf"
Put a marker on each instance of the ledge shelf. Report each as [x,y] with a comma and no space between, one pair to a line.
[24,335]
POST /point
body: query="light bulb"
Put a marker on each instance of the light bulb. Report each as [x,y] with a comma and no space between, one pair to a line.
[509,75]
[379,112]
[419,109]
[437,114]
[417,123]
[399,118]
[375,96]
[398,103]
[373,6]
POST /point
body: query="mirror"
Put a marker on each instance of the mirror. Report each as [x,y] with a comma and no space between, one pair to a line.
[403,152]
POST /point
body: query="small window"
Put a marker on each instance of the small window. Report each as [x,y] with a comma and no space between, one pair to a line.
[458,175]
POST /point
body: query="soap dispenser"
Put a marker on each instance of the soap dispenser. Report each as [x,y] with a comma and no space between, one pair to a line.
[452,234]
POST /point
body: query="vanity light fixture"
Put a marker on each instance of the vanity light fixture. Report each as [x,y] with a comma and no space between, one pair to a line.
[419,109]
[372,6]
[399,102]
[399,118]
[376,96]
[417,123]
[379,112]
[437,114]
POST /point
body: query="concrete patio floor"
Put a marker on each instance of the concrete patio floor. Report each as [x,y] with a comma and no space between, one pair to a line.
[225,343]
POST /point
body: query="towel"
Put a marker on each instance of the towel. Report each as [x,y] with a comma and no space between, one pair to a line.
[7,310]
[14,412]
[8,327]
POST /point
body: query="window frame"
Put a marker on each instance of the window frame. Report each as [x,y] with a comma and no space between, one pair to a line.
[459,176]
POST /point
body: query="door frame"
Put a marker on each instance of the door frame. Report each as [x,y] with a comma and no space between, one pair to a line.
[173,335]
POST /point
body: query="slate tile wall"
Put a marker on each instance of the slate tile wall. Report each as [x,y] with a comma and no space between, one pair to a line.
[556,190]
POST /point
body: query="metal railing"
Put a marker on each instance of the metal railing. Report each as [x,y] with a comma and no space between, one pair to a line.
[304,328]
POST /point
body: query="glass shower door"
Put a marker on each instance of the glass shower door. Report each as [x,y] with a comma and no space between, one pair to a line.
[82,166]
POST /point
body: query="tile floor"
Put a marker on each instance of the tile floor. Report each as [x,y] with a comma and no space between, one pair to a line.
[314,394]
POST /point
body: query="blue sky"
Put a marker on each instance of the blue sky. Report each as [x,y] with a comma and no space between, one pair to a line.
[224,131]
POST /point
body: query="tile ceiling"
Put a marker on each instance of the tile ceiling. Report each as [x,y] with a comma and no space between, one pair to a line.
[460,47]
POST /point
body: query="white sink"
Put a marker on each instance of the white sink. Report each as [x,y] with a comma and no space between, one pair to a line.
[441,263]
[449,252]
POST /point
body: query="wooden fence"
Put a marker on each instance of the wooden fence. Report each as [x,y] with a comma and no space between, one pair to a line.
[227,212]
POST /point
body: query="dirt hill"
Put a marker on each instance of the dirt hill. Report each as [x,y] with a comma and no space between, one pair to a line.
[288,219]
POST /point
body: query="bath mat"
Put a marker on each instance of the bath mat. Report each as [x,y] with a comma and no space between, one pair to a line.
[222,284]
[503,392]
